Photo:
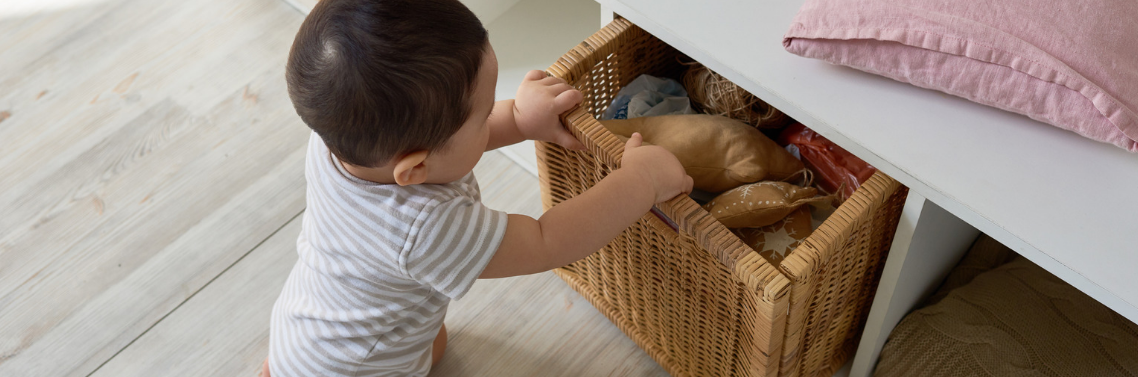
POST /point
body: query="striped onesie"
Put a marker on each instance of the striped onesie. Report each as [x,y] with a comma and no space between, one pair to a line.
[377,266]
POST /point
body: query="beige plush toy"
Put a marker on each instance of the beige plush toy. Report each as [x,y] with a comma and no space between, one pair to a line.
[760,204]
[719,153]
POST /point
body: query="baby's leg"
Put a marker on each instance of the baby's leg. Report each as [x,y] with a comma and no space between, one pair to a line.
[265,368]
[438,347]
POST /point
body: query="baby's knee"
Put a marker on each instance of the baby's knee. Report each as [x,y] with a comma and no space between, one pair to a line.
[439,346]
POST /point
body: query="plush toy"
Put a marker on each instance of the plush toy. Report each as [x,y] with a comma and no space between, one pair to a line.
[775,241]
[760,204]
[719,153]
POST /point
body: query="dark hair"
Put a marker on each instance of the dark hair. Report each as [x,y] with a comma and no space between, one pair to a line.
[378,78]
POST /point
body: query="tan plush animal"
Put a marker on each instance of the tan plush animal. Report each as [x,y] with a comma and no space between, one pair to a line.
[760,204]
[719,153]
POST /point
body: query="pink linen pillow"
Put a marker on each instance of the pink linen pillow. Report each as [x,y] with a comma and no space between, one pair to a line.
[1073,64]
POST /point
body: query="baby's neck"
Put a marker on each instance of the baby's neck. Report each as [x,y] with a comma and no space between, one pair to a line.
[381,174]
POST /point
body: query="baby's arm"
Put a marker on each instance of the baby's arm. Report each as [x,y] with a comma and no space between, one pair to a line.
[582,225]
[503,130]
[533,114]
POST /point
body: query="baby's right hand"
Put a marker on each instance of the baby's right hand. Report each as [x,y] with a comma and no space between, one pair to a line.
[658,166]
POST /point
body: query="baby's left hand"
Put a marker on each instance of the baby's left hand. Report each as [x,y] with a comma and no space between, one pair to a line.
[539,101]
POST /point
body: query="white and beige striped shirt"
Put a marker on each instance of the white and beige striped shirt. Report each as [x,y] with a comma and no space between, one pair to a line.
[378,266]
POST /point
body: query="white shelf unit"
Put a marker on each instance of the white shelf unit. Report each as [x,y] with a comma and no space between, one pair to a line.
[1052,196]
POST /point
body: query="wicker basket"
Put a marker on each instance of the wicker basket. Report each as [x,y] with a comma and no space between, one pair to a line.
[681,285]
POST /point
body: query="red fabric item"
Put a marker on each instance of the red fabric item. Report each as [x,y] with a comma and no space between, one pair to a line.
[832,165]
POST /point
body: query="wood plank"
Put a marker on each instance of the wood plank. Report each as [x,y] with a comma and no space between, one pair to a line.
[303,6]
[223,330]
[97,77]
[84,306]
[530,325]
[150,144]
[536,326]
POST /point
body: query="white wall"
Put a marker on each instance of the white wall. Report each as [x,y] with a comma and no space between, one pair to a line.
[489,10]
[486,10]
[532,35]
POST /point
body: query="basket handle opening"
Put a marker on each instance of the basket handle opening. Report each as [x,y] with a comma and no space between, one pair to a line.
[667,220]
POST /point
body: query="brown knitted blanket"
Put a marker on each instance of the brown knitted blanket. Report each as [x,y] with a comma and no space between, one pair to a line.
[1014,320]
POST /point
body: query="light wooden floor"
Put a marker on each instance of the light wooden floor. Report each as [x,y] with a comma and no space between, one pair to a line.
[151,183]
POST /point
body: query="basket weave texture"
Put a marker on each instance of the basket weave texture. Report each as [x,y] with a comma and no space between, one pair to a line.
[682,286]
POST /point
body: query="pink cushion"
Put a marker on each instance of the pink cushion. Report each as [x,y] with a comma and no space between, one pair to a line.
[1073,64]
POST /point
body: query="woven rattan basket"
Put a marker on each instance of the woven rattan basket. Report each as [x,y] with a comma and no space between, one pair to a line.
[681,285]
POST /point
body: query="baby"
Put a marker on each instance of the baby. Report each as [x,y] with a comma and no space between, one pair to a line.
[400,96]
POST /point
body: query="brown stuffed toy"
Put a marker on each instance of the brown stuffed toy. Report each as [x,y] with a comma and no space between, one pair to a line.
[719,153]
[774,242]
[760,204]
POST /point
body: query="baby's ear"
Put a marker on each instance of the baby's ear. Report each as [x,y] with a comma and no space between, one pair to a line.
[410,169]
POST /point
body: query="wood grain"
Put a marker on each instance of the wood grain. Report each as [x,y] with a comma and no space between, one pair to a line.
[223,330]
[144,171]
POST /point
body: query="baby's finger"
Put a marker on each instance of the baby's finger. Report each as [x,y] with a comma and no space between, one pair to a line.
[566,100]
[535,75]
[550,81]
[633,142]
[559,87]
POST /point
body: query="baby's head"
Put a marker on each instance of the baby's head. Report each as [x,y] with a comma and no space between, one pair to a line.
[390,82]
